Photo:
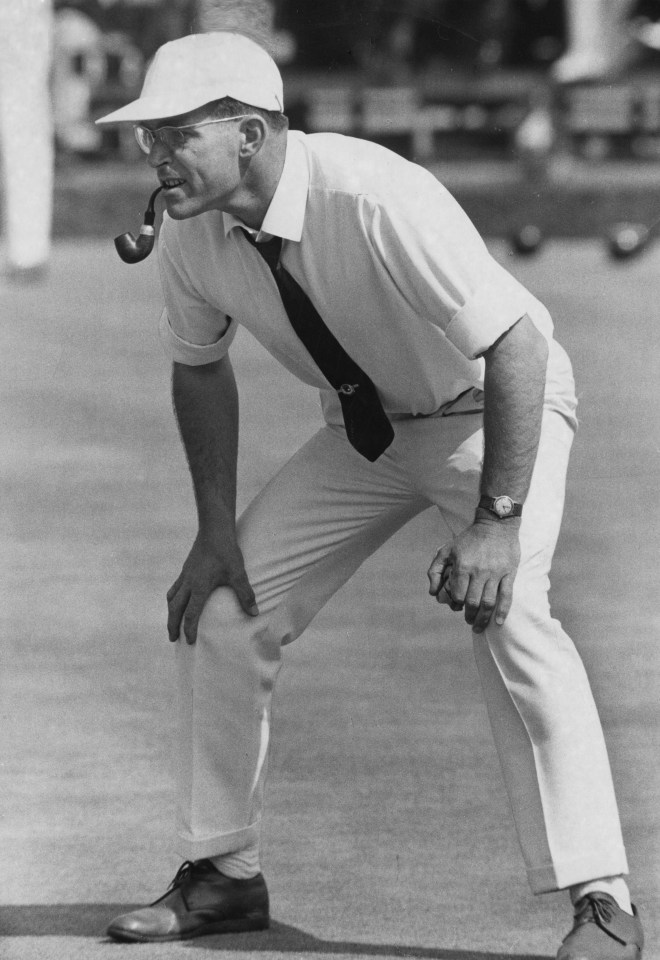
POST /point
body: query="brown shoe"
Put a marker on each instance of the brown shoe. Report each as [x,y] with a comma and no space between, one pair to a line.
[602,931]
[200,900]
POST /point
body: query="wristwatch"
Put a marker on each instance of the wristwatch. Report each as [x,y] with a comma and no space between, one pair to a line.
[501,507]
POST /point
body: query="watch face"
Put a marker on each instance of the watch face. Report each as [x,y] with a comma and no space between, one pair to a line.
[503,506]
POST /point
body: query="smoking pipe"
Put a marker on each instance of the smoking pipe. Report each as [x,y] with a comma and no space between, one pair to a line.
[132,250]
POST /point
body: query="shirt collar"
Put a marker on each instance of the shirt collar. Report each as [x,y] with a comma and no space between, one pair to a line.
[286,214]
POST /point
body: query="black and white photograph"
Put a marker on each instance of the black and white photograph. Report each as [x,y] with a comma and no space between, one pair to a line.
[330,443]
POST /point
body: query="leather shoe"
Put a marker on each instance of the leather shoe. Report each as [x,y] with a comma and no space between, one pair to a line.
[199,901]
[602,931]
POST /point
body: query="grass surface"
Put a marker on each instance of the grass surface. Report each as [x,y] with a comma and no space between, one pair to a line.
[388,831]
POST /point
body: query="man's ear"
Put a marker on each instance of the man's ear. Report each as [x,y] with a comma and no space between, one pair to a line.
[254,131]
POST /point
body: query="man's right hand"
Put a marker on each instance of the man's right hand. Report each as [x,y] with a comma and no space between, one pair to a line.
[207,567]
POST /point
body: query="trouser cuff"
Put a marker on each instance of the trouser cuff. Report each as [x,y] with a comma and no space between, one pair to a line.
[560,876]
[198,848]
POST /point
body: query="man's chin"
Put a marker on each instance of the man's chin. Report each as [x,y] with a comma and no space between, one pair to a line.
[181,211]
[178,214]
[180,208]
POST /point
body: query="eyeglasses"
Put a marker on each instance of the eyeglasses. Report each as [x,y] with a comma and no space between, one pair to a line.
[171,137]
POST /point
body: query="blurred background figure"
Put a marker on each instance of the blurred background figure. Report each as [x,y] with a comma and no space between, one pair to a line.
[78,68]
[598,42]
[26,136]
[645,22]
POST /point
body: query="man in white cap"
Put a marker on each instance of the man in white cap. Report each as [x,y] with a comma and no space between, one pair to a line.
[441,385]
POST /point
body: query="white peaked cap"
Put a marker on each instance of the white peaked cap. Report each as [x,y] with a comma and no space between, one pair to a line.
[195,70]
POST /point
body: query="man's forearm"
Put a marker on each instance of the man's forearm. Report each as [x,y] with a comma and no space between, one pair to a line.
[206,406]
[514,388]
[479,566]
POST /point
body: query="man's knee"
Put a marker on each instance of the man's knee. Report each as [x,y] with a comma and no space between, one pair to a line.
[251,644]
[221,610]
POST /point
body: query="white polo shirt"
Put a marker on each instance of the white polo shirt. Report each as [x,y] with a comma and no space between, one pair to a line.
[392,263]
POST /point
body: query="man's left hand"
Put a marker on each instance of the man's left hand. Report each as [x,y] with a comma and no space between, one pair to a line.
[477,571]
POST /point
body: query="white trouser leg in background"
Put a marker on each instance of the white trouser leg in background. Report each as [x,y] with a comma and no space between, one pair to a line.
[598,42]
[303,537]
[26,136]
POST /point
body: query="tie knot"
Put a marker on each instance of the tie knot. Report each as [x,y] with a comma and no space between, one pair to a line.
[269,249]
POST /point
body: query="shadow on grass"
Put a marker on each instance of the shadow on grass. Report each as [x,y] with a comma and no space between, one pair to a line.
[91,919]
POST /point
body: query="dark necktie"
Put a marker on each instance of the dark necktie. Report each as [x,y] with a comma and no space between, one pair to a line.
[367,426]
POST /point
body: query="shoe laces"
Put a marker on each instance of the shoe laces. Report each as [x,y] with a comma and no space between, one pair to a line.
[599,910]
[182,874]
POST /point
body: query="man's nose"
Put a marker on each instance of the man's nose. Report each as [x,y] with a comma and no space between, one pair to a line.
[158,154]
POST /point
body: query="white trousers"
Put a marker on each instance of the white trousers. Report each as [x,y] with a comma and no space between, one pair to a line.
[302,537]
[26,130]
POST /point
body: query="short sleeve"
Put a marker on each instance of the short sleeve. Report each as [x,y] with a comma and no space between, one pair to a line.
[443,269]
[498,302]
[192,330]
[194,354]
